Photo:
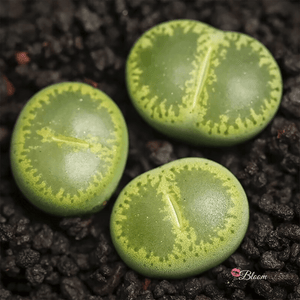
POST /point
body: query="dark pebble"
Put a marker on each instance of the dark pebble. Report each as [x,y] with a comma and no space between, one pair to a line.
[4,294]
[63,14]
[295,251]
[47,77]
[292,63]
[282,278]
[290,231]
[60,244]
[99,256]
[238,295]
[3,88]
[291,163]
[8,210]
[160,152]
[43,239]
[95,40]
[76,227]
[25,30]
[269,260]
[15,9]
[36,274]
[73,288]
[202,297]
[249,248]
[164,288]
[22,226]
[192,287]
[266,203]
[89,20]
[263,288]
[291,102]
[145,295]
[106,270]
[27,258]
[239,260]
[81,260]
[66,266]
[285,254]
[273,241]
[103,58]
[53,278]
[263,226]
[45,26]
[131,287]
[212,291]
[297,209]
[109,285]
[9,266]
[283,212]
[279,293]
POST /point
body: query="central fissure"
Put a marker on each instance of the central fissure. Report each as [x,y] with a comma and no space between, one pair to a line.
[174,209]
[70,140]
[202,75]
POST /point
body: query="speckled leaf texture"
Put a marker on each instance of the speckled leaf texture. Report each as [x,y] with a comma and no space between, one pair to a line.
[202,85]
[180,219]
[69,149]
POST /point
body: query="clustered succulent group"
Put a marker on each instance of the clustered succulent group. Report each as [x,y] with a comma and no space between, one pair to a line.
[188,80]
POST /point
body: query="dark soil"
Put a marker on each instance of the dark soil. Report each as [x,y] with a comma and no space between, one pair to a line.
[43,257]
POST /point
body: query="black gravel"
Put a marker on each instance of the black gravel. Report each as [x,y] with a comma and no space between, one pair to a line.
[48,258]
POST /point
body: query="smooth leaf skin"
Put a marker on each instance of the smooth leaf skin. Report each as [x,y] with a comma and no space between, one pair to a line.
[202,85]
[69,148]
[180,219]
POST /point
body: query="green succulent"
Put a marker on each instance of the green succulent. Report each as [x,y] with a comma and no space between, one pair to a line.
[69,148]
[180,219]
[201,85]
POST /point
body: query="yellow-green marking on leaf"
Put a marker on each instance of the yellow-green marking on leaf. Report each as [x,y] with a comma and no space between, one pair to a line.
[69,149]
[180,219]
[203,85]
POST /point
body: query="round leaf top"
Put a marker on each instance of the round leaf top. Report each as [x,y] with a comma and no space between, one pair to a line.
[202,85]
[180,219]
[69,149]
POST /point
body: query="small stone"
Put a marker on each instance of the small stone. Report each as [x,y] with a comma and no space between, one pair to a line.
[263,288]
[192,287]
[283,212]
[43,239]
[27,258]
[6,233]
[60,244]
[291,102]
[161,152]
[292,63]
[290,231]
[269,261]
[90,21]
[73,288]
[282,278]
[249,248]
[66,266]
[266,203]
[36,274]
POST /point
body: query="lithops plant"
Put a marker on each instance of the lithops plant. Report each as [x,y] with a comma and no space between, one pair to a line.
[69,148]
[202,85]
[180,219]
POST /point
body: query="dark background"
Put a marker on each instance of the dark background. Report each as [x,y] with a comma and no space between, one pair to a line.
[44,257]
